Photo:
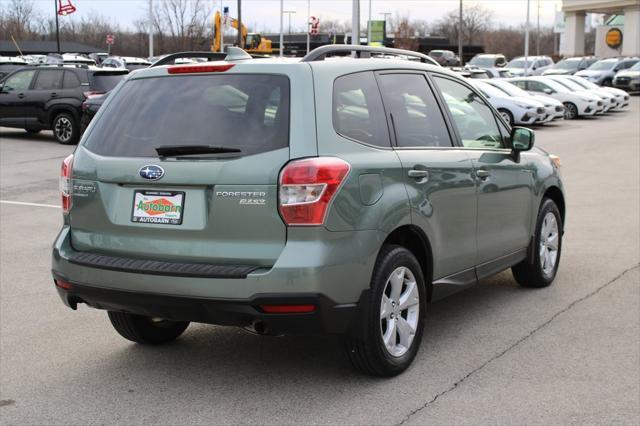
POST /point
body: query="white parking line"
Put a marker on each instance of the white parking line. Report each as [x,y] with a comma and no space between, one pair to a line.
[22,203]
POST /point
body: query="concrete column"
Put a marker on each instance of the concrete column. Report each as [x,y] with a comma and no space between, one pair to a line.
[631,35]
[574,34]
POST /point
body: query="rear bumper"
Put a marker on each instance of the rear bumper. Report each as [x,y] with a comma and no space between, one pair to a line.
[326,317]
[331,270]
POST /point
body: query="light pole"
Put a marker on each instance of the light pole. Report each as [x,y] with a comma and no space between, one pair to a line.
[289,12]
[281,26]
[369,26]
[150,28]
[385,14]
[526,43]
[460,34]
[308,25]
[221,29]
[538,32]
[355,23]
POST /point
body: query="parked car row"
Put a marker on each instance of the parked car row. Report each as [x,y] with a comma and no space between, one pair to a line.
[541,99]
[602,72]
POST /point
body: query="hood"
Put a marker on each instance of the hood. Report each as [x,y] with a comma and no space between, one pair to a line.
[628,73]
[590,73]
[558,71]
[515,71]
[547,100]
[527,101]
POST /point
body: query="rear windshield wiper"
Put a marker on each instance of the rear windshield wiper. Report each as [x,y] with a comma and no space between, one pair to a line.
[175,150]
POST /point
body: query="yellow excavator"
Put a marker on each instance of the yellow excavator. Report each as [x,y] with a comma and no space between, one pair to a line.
[252,42]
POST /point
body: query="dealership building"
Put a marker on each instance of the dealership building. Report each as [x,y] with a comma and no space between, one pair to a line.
[620,36]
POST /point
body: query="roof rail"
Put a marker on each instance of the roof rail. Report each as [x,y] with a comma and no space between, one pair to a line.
[320,53]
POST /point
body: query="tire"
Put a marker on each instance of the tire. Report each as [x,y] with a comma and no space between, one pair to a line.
[570,111]
[32,131]
[369,354]
[65,129]
[546,260]
[607,82]
[145,330]
[506,115]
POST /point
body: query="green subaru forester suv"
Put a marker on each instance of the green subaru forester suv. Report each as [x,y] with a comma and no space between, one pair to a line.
[324,194]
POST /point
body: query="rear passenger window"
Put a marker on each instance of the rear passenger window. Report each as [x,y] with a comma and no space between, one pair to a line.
[357,109]
[48,80]
[416,118]
[71,81]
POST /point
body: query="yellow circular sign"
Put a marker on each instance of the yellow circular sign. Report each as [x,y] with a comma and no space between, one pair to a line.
[614,38]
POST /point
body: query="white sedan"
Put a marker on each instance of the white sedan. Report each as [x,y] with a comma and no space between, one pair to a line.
[621,96]
[608,99]
[514,110]
[576,104]
[554,109]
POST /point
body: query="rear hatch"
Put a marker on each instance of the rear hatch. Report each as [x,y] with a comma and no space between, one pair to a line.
[210,194]
[104,81]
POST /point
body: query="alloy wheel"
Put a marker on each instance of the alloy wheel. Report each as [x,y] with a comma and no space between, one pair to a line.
[63,129]
[549,243]
[399,311]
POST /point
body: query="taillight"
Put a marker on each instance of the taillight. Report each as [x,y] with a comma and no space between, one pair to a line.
[188,69]
[66,186]
[307,187]
[92,93]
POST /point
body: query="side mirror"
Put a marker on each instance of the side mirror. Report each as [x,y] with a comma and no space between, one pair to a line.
[548,91]
[522,139]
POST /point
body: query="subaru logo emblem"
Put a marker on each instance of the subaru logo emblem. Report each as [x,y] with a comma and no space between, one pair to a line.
[151,172]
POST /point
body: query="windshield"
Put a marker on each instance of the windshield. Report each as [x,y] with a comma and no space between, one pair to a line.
[510,89]
[435,54]
[519,63]
[490,90]
[569,84]
[556,86]
[603,65]
[568,64]
[583,82]
[245,112]
[635,67]
[482,61]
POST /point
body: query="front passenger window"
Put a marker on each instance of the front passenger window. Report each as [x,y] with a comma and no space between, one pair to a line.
[19,81]
[473,118]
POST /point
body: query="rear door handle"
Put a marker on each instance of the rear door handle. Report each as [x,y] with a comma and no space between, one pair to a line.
[54,94]
[418,174]
[482,173]
[20,95]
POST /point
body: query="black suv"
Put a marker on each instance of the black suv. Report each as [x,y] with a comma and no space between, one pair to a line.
[50,97]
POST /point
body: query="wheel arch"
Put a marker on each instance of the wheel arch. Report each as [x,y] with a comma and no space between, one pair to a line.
[554,193]
[416,241]
[57,109]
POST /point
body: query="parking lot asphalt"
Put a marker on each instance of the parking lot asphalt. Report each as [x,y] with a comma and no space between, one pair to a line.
[496,353]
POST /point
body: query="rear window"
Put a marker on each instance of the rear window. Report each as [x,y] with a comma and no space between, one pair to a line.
[247,112]
[103,82]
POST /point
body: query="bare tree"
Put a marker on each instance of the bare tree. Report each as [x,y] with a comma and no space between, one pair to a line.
[404,34]
[476,19]
[18,19]
[184,22]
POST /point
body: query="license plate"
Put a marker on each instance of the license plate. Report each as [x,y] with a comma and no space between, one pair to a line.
[158,207]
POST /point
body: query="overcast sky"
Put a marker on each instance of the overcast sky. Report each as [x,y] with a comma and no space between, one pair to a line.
[264,14]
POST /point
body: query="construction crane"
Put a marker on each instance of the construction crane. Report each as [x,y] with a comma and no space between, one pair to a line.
[252,42]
